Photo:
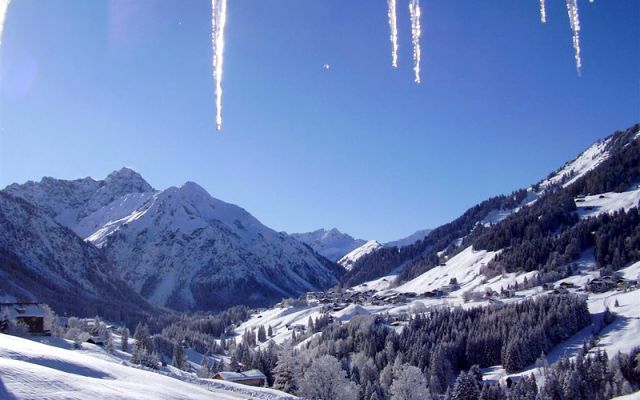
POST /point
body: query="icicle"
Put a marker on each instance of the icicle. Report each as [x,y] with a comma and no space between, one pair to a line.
[218,22]
[414,12]
[574,21]
[393,25]
[4,6]
[543,12]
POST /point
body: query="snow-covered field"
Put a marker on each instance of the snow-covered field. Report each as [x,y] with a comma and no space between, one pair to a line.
[33,370]
[610,202]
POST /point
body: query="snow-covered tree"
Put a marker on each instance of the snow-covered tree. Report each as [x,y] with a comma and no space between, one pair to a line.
[179,356]
[465,388]
[287,370]
[410,384]
[325,379]
[124,339]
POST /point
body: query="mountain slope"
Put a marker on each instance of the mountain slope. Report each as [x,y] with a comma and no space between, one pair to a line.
[332,244]
[181,247]
[45,261]
[411,239]
[353,256]
[608,165]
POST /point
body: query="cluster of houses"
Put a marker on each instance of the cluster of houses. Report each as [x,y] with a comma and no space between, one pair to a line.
[607,283]
[336,300]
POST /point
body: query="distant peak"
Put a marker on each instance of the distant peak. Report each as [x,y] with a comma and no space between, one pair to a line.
[130,178]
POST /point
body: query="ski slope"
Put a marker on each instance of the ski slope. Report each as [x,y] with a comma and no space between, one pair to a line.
[32,370]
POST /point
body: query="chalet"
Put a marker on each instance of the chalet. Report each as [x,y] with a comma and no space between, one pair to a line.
[547,286]
[253,377]
[600,285]
[30,314]
[567,285]
[97,340]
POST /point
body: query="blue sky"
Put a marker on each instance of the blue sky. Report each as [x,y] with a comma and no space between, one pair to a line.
[87,87]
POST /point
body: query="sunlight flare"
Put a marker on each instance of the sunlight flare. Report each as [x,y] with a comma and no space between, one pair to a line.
[218,22]
[4,6]
[393,26]
[415,13]
[574,21]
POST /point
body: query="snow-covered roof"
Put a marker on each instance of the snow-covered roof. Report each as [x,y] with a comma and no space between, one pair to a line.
[241,376]
[17,310]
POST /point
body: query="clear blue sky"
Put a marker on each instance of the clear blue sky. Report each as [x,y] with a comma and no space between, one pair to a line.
[90,86]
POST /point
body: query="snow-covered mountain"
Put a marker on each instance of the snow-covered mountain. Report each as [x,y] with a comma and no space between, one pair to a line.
[332,243]
[411,239]
[180,247]
[45,261]
[350,258]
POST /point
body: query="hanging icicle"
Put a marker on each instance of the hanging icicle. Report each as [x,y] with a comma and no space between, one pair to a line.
[543,12]
[574,21]
[393,26]
[218,22]
[414,12]
[4,6]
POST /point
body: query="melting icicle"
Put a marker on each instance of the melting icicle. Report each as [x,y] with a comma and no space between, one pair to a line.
[4,5]
[543,12]
[414,12]
[393,25]
[574,21]
[218,21]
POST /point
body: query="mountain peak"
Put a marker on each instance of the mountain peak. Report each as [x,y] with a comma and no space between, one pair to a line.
[128,178]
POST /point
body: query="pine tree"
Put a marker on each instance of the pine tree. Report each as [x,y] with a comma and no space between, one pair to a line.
[286,371]
[179,356]
[124,340]
[109,345]
[465,388]
[262,335]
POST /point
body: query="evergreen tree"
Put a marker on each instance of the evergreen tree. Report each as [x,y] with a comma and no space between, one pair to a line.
[124,340]
[179,356]
[465,388]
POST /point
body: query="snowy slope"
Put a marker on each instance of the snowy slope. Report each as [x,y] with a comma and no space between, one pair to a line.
[585,162]
[411,239]
[32,370]
[332,244]
[350,259]
[180,247]
[594,205]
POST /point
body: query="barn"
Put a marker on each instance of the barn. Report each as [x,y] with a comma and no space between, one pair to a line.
[252,377]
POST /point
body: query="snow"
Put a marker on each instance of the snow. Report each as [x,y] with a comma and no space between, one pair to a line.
[585,162]
[376,284]
[36,370]
[352,257]
[332,244]
[609,202]
[464,266]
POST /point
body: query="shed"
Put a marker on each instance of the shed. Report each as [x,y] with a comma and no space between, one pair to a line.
[252,377]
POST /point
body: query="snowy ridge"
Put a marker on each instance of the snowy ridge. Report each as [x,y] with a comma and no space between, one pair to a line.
[332,244]
[585,162]
[350,259]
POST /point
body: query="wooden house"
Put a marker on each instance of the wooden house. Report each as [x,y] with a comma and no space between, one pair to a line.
[253,377]
[30,314]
